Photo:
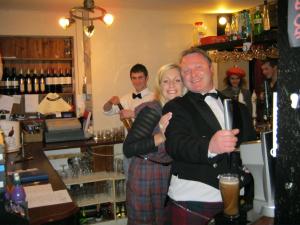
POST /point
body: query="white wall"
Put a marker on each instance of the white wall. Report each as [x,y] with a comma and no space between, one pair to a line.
[152,38]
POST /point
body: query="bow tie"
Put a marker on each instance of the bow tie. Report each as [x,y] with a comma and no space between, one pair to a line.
[214,95]
[134,96]
[202,97]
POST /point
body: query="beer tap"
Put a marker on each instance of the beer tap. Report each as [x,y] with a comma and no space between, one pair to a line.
[228,118]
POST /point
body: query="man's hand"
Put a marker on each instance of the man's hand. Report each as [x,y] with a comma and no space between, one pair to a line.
[126,113]
[223,141]
[114,100]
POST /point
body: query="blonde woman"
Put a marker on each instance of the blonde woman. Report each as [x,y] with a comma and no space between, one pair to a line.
[149,170]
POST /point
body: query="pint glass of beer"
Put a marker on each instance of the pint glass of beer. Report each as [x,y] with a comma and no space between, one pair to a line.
[230,190]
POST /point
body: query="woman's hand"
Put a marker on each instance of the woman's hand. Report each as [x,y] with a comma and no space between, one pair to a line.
[164,122]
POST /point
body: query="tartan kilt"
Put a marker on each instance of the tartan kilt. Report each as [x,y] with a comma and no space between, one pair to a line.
[146,192]
[191,213]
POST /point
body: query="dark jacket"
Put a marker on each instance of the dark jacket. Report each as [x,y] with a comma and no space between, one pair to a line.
[188,135]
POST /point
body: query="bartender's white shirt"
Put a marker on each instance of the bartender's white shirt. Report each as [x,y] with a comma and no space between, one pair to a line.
[129,103]
[188,190]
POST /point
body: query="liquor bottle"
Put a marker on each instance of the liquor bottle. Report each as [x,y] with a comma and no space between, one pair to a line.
[35,82]
[7,81]
[15,82]
[234,29]
[126,121]
[198,33]
[28,83]
[49,81]
[18,195]
[21,82]
[245,24]
[42,82]
[258,23]
[266,18]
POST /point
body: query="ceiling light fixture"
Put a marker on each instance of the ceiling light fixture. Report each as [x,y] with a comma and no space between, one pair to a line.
[88,13]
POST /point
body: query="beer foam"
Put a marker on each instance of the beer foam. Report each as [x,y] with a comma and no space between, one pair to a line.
[229,181]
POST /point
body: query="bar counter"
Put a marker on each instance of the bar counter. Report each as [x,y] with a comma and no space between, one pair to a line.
[45,214]
[66,213]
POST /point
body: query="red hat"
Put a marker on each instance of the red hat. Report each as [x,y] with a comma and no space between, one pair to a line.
[235,71]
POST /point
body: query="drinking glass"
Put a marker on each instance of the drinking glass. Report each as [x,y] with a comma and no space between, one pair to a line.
[229,187]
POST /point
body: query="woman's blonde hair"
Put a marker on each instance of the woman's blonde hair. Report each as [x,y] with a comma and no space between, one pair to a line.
[158,79]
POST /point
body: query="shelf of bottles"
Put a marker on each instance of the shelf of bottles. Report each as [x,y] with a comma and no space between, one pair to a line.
[35,82]
[36,64]
[256,26]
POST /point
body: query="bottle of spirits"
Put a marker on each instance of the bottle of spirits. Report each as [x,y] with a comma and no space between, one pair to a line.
[266,17]
[21,82]
[42,82]
[258,23]
[18,195]
[199,32]
[128,121]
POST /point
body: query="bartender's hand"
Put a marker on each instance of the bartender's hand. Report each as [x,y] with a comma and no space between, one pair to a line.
[115,100]
[223,141]
[126,113]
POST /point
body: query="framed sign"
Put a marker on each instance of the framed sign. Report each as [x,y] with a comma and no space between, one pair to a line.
[294,23]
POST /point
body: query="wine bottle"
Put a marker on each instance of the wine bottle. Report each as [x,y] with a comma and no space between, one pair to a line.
[55,81]
[21,82]
[14,82]
[7,81]
[28,82]
[42,82]
[48,81]
[68,80]
[126,121]
[35,82]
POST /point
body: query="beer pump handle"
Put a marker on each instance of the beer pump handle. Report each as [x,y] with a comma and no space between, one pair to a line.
[228,118]
[228,114]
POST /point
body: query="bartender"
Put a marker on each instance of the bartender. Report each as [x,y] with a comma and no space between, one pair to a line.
[139,79]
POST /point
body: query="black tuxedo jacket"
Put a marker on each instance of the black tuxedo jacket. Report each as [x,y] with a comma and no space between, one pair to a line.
[192,125]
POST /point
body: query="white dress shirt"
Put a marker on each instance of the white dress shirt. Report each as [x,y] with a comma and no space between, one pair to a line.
[189,190]
[129,103]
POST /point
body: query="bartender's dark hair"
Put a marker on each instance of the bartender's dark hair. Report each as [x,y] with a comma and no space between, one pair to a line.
[193,50]
[273,62]
[139,68]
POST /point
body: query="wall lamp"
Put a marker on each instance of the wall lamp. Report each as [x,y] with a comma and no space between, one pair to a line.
[89,13]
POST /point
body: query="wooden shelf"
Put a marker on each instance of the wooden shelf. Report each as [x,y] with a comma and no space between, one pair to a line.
[13,58]
[94,200]
[229,46]
[94,177]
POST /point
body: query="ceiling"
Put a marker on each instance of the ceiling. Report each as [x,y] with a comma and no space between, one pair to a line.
[196,6]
